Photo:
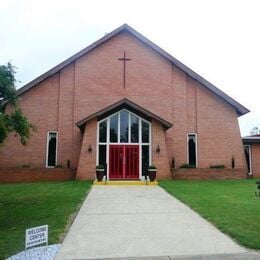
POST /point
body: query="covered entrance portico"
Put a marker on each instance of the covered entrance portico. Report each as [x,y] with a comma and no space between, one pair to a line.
[123,140]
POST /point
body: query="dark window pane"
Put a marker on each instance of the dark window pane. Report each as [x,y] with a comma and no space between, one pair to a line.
[124,126]
[134,129]
[192,149]
[52,145]
[102,155]
[103,131]
[114,128]
[145,132]
[247,154]
[145,159]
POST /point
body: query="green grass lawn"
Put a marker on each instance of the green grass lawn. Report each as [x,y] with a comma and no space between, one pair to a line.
[33,204]
[230,205]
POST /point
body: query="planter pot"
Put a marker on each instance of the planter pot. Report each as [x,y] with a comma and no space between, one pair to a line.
[100,174]
[152,174]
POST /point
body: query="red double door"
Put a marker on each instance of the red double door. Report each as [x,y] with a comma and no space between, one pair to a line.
[124,162]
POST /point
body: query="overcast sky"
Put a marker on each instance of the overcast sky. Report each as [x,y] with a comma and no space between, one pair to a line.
[220,40]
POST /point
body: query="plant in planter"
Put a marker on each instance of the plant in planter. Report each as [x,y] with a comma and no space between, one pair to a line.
[58,166]
[100,172]
[187,166]
[152,172]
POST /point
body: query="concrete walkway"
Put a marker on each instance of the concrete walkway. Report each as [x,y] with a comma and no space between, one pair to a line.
[141,221]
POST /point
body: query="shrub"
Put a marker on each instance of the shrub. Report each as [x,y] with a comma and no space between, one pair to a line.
[217,166]
[26,166]
[186,165]
[101,167]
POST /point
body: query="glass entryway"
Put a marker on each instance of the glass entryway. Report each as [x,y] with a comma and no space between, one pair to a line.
[124,145]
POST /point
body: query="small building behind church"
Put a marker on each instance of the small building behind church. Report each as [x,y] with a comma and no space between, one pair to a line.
[252,153]
[125,103]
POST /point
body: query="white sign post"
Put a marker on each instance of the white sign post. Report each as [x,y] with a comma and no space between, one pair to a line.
[36,235]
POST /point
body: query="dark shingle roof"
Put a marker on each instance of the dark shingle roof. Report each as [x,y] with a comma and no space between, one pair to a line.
[251,139]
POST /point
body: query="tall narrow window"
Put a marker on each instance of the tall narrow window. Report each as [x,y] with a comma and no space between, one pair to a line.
[52,149]
[247,149]
[103,132]
[102,155]
[145,159]
[192,149]
[124,126]
[114,129]
[134,129]
[145,132]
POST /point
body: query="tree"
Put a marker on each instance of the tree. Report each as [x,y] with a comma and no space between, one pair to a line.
[255,131]
[15,121]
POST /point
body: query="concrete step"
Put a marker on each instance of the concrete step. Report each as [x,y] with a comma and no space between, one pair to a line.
[125,182]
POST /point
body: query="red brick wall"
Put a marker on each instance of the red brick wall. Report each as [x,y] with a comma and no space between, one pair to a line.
[255,152]
[218,132]
[17,174]
[40,105]
[96,80]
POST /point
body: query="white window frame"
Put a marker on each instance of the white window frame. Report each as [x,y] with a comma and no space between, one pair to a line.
[47,149]
[196,149]
[139,143]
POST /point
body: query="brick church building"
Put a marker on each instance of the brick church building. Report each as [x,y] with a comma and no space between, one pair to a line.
[125,103]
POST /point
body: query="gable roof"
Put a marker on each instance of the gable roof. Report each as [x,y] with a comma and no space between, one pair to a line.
[121,104]
[251,139]
[241,110]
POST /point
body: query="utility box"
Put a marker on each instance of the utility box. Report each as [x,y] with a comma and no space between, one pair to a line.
[257,193]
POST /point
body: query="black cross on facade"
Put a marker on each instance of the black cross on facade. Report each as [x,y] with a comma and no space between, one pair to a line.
[124,59]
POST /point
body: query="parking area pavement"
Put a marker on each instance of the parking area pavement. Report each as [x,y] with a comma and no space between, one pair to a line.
[141,222]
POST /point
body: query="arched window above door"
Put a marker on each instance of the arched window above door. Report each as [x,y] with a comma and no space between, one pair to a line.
[124,127]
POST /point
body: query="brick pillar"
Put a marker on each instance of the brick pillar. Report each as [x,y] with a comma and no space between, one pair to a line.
[87,160]
[161,159]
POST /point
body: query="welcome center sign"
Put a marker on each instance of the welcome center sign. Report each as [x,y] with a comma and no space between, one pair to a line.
[35,236]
